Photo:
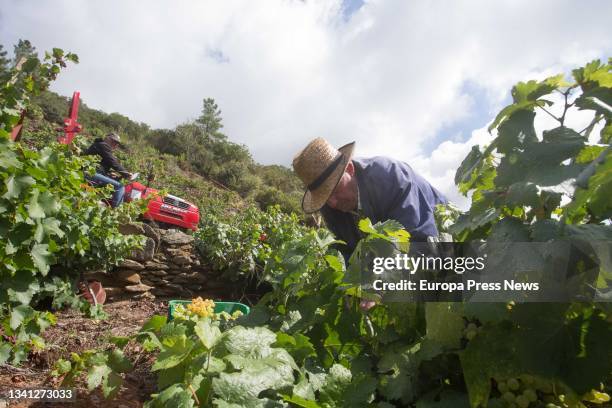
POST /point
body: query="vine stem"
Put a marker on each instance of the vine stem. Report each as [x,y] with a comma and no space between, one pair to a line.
[194,394]
[553,116]
[566,107]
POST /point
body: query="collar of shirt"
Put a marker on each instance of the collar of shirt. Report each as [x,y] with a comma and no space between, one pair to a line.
[358,212]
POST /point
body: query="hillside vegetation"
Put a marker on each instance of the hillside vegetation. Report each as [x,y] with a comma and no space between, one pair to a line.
[195,160]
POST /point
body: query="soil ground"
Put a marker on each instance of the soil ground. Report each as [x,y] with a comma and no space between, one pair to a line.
[76,333]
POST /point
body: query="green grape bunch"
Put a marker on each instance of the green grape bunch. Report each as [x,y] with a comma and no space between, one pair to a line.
[530,391]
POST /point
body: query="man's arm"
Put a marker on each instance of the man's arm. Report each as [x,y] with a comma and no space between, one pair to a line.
[397,192]
[110,161]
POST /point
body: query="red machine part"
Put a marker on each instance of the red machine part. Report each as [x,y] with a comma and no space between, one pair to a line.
[71,126]
[168,209]
[16,132]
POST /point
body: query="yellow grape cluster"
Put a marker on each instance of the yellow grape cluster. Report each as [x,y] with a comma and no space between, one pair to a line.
[202,307]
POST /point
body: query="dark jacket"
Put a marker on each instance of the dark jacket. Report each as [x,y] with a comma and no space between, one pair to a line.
[388,189]
[109,161]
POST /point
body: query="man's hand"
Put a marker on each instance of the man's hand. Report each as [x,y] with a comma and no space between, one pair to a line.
[366,305]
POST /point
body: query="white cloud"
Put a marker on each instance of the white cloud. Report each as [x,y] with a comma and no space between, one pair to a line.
[283,72]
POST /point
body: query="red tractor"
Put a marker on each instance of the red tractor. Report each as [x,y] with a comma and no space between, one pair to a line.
[168,210]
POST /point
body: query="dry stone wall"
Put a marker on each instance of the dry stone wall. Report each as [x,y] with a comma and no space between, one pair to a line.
[167,266]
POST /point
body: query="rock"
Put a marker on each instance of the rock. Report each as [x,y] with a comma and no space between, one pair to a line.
[160,257]
[113,292]
[162,292]
[127,276]
[146,253]
[158,273]
[147,282]
[190,277]
[175,237]
[181,260]
[137,288]
[151,232]
[145,295]
[105,278]
[175,287]
[132,229]
[131,264]
[196,262]
[176,251]
[156,265]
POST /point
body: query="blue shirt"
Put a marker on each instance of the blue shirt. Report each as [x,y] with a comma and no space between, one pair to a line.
[388,189]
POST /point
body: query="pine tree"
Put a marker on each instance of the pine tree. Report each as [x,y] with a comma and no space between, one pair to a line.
[4,62]
[24,49]
[210,120]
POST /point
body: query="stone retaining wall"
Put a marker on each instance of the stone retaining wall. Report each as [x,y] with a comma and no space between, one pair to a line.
[167,265]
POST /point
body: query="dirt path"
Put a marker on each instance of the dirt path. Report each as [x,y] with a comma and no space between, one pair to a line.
[75,333]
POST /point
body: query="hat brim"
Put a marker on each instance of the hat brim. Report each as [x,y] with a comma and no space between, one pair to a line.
[315,199]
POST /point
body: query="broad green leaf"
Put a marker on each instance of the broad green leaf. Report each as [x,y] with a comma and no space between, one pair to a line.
[300,402]
[298,345]
[336,382]
[360,392]
[545,230]
[532,90]
[172,375]
[49,203]
[111,384]
[509,229]
[19,314]
[42,257]
[22,287]
[173,355]
[155,323]
[208,333]
[522,194]
[444,323]
[516,132]
[366,226]
[118,362]
[334,262]
[253,342]
[35,210]
[15,185]
[243,387]
[589,153]
[96,374]
[468,165]
[119,341]
[9,159]
[399,385]
[588,358]
[175,396]
[5,352]
[62,366]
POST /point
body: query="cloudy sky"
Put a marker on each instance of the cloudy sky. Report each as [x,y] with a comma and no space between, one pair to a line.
[416,80]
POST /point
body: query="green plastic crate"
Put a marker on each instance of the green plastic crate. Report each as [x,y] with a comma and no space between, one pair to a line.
[229,307]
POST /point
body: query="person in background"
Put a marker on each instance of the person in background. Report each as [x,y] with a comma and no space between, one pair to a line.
[104,148]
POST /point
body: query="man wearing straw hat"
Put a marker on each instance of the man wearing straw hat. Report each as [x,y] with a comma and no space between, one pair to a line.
[346,189]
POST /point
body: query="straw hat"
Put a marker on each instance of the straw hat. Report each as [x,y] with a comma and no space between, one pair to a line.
[320,166]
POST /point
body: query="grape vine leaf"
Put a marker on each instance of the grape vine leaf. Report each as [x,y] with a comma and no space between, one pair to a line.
[174,354]
[208,333]
[174,396]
